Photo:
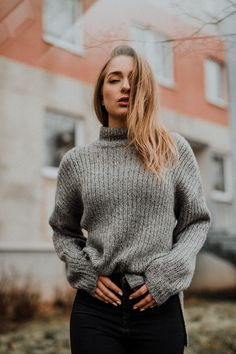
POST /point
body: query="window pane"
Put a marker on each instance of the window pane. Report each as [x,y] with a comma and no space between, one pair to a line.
[212,7]
[59,137]
[167,60]
[60,19]
[138,36]
[219,77]
[164,53]
[223,86]
[218,173]
[152,54]
[154,47]
[215,77]
[211,79]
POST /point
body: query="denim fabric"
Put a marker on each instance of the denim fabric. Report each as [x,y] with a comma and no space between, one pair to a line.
[100,328]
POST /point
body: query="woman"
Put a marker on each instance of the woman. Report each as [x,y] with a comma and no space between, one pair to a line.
[137,191]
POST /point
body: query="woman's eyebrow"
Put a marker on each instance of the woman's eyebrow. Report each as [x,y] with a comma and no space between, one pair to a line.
[119,73]
[115,73]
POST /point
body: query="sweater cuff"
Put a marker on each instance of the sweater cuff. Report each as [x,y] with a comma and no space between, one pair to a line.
[82,277]
[134,280]
[158,285]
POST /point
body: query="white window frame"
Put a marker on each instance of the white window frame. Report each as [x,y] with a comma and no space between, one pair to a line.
[213,8]
[224,196]
[143,46]
[63,43]
[215,100]
[51,172]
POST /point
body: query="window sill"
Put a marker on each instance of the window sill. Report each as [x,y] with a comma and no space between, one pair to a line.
[217,102]
[223,197]
[27,247]
[166,82]
[63,44]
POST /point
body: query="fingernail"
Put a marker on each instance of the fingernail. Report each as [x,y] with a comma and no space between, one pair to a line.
[135,307]
[120,293]
[118,302]
[131,297]
[142,309]
[114,303]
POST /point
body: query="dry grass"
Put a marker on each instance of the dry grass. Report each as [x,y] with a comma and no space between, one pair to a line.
[19,299]
[228,294]
[63,300]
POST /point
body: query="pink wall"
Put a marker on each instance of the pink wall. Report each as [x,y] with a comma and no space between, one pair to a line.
[21,40]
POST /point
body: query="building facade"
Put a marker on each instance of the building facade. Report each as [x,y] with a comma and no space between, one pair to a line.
[51,53]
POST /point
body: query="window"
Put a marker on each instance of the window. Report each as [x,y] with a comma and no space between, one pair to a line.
[61,134]
[221,172]
[158,51]
[218,173]
[62,24]
[215,82]
[212,8]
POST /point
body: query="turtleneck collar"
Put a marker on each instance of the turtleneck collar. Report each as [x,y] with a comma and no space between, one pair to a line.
[113,138]
[109,134]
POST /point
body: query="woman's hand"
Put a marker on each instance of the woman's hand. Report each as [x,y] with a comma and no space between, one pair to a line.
[146,302]
[103,293]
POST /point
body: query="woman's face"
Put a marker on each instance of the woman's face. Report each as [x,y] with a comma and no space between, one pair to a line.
[116,86]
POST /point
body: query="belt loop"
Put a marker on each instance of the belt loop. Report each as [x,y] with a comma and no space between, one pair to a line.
[124,281]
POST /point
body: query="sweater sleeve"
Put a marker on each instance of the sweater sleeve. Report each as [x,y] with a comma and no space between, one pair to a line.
[172,272]
[68,238]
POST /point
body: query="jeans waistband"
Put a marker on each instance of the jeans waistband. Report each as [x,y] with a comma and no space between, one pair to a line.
[117,274]
[119,279]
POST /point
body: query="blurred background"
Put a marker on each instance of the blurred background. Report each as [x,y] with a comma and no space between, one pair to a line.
[51,52]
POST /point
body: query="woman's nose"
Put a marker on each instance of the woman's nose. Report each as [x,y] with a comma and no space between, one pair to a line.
[125,85]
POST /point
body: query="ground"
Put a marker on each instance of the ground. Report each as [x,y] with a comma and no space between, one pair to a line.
[211,327]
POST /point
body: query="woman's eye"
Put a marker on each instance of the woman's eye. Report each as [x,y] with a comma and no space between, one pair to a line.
[112,81]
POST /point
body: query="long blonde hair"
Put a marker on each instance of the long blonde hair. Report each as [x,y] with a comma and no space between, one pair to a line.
[156,148]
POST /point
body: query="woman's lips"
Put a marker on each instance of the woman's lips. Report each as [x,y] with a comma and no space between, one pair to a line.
[123,103]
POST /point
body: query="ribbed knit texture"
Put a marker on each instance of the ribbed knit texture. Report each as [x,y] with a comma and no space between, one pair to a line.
[148,229]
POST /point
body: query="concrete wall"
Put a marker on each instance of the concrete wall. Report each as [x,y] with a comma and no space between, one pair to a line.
[46,271]
[213,273]
[26,93]
[205,138]
[35,76]
[27,195]
[227,28]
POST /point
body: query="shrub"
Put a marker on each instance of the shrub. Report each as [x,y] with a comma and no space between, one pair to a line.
[19,298]
[63,300]
[227,294]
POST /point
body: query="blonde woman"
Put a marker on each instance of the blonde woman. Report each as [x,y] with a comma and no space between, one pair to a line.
[137,191]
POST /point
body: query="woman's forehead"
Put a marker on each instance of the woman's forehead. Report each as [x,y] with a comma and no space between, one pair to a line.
[121,63]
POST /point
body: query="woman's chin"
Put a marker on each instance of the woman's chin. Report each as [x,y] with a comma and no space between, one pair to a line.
[123,111]
[120,116]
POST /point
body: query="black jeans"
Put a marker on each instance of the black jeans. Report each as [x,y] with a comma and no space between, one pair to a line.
[100,328]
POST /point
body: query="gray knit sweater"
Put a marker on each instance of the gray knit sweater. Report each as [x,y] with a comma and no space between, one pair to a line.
[148,229]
